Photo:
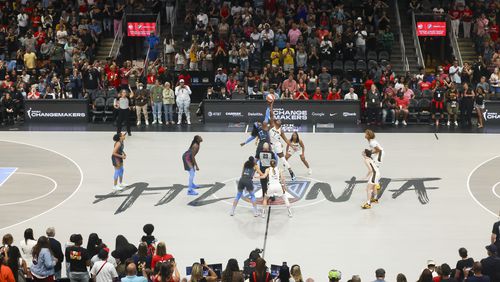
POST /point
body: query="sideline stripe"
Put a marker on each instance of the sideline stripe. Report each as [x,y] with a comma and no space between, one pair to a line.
[265,235]
[6,173]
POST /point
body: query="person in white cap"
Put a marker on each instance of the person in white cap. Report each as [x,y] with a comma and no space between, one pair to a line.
[183,100]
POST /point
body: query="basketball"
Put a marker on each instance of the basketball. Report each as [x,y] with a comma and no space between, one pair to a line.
[270,98]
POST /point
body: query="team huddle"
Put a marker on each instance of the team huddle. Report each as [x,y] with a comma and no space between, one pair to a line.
[269,137]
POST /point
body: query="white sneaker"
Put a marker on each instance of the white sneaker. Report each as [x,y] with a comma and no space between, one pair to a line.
[138,123]
[231,213]
[117,188]
[263,213]
[448,123]
[123,185]
[290,212]
[147,122]
[188,121]
[397,122]
[310,171]
[155,121]
[179,122]
[404,123]
[256,213]
[456,123]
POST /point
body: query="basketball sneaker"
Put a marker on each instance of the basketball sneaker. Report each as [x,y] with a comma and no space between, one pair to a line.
[377,186]
[374,201]
[366,206]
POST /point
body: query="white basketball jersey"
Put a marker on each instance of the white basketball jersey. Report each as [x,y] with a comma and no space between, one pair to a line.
[377,157]
[274,176]
[275,135]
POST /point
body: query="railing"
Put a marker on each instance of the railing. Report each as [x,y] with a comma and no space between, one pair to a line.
[404,59]
[416,41]
[117,41]
[173,21]
[454,44]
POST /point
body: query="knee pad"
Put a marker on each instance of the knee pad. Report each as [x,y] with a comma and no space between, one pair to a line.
[238,196]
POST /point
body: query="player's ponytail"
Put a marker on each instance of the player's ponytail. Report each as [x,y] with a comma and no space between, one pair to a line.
[250,162]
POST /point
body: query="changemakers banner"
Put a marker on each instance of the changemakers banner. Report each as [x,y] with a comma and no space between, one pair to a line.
[288,111]
[491,113]
[56,111]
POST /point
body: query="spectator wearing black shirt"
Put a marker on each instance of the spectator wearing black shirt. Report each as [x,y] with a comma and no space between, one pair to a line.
[91,78]
[491,264]
[445,273]
[8,108]
[373,104]
[464,263]
[78,260]
[15,261]
[477,276]
[495,234]
[55,247]
[123,251]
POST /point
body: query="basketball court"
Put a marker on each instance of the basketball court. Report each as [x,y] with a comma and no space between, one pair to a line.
[439,193]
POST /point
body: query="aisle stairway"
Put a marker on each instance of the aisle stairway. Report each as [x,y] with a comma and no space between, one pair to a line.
[406,28]
[103,49]
[467,51]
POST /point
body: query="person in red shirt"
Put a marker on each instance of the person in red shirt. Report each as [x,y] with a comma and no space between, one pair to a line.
[187,78]
[466,21]
[161,255]
[113,77]
[424,85]
[317,96]
[40,37]
[455,19]
[333,94]
[368,83]
[493,31]
[402,105]
[5,271]
[151,79]
[301,95]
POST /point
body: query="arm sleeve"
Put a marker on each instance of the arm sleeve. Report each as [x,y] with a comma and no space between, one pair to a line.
[250,139]
[268,115]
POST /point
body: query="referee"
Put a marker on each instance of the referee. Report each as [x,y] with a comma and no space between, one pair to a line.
[122,105]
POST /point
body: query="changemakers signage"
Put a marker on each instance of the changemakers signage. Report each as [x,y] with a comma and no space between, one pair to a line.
[56,111]
[491,113]
[289,112]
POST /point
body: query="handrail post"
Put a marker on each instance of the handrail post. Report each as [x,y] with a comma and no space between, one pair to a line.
[416,41]
[404,60]
[454,45]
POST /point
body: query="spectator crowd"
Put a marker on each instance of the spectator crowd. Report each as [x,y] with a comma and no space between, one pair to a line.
[44,259]
[302,50]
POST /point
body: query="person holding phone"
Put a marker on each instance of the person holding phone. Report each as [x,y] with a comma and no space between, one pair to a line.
[197,271]
[246,183]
